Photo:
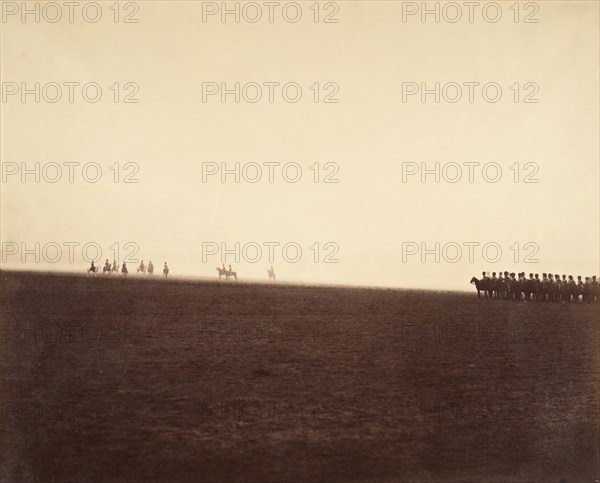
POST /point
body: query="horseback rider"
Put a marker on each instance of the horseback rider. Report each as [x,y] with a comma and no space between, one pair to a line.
[537,287]
[150,268]
[505,285]
[165,270]
[92,268]
[107,265]
[545,286]
[124,269]
[494,285]
[142,267]
[114,267]
[528,286]
[557,287]
[571,289]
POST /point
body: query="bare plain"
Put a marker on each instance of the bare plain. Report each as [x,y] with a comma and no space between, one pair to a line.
[112,379]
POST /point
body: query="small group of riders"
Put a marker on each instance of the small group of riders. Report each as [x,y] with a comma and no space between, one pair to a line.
[108,268]
[227,273]
[550,288]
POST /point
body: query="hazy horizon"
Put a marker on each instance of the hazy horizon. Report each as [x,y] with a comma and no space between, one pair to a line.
[370,136]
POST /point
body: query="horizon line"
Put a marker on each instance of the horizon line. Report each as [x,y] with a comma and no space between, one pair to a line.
[194,278]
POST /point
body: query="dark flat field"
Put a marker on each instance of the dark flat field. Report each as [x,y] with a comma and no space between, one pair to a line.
[106,379]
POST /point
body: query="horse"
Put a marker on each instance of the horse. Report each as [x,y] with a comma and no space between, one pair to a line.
[573,292]
[271,273]
[496,288]
[505,288]
[555,291]
[528,288]
[565,292]
[481,285]
[141,268]
[517,289]
[93,270]
[545,290]
[227,273]
[106,268]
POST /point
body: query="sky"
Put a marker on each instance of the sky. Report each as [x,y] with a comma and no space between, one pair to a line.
[375,222]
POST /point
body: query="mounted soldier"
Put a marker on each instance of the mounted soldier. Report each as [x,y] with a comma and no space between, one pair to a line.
[528,286]
[579,289]
[537,287]
[544,286]
[92,269]
[506,286]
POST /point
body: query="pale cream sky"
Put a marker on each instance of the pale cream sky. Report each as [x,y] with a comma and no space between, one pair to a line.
[369,134]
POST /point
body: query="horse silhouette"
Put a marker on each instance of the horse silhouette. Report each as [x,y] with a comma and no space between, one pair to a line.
[482,286]
[271,273]
[227,273]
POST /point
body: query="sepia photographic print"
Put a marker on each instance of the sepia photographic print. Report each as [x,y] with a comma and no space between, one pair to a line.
[300,241]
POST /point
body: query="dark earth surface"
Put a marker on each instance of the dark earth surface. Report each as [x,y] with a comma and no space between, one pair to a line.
[111,379]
